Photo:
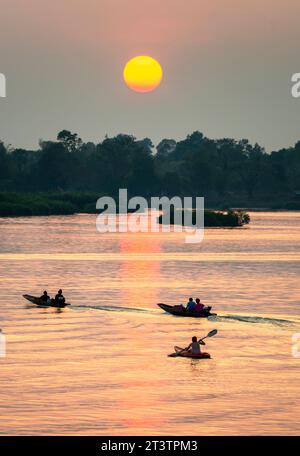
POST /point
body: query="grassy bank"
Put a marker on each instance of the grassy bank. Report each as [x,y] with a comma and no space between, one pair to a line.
[14,204]
[57,203]
[50,203]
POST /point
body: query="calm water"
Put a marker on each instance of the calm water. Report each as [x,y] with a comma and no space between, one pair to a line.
[101,366]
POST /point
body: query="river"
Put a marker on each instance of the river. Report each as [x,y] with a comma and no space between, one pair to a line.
[101,366]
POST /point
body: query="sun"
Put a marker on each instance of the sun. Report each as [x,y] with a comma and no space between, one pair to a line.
[142,74]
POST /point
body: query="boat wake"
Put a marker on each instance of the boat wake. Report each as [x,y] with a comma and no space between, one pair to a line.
[217,318]
[253,319]
[117,309]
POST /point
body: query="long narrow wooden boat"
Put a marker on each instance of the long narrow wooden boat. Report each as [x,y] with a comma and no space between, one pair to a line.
[178,311]
[39,302]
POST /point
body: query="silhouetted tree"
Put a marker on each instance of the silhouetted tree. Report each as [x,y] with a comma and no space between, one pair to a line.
[223,170]
[71,141]
[5,172]
[55,167]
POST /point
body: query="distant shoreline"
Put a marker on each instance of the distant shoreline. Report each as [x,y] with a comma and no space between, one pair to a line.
[13,204]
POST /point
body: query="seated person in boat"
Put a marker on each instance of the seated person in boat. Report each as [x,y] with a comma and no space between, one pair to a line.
[190,307]
[45,298]
[59,298]
[194,346]
[199,307]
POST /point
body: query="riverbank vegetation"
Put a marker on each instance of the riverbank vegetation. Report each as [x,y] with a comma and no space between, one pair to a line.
[50,203]
[227,172]
[68,203]
[14,204]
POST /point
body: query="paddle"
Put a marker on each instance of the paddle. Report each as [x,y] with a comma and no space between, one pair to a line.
[210,334]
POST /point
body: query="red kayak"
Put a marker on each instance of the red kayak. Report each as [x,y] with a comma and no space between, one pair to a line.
[188,354]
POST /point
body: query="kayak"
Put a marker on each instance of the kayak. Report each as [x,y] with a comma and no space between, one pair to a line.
[39,302]
[187,354]
[176,310]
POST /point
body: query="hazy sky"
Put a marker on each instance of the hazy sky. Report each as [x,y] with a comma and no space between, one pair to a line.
[227,69]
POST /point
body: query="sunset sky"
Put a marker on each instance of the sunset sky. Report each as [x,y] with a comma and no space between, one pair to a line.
[227,69]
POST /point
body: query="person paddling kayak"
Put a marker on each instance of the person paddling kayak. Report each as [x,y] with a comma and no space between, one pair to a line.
[194,346]
[194,349]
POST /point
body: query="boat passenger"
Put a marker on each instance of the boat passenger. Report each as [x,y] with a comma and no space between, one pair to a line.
[190,307]
[194,346]
[199,306]
[59,298]
[45,298]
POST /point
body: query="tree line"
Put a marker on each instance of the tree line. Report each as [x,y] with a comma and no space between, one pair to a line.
[225,171]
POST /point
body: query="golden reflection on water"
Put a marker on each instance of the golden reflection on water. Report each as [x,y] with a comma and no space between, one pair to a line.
[144,257]
[142,271]
[101,367]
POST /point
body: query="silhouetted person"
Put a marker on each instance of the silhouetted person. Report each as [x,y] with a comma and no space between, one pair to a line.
[190,307]
[45,298]
[194,347]
[199,306]
[59,298]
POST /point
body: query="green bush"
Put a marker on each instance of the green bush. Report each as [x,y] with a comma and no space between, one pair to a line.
[19,204]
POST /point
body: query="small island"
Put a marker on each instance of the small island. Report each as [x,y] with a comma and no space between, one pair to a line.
[212,218]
